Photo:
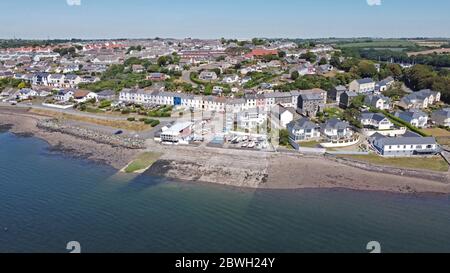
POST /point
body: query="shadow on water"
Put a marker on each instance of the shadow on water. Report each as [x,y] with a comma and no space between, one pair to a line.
[143,182]
[5,128]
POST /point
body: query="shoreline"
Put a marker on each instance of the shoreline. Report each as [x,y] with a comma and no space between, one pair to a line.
[244,169]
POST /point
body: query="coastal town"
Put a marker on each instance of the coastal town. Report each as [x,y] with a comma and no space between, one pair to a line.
[302,98]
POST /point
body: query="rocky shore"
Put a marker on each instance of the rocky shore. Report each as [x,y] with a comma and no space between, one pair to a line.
[53,125]
[228,167]
[22,123]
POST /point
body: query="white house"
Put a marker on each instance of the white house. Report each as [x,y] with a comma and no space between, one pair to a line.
[25,94]
[378,101]
[230,79]
[335,129]
[303,130]
[84,95]
[376,120]
[64,95]
[365,85]
[420,99]
[405,146]
[414,117]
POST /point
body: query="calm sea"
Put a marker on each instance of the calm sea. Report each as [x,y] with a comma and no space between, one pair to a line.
[48,199]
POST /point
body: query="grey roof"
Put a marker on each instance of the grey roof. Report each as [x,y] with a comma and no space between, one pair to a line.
[303,123]
[311,96]
[335,124]
[372,99]
[351,94]
[385,81]
[71,77]
[107,93]
[410,115]
[340,88]
[419,96]
[413,140]
[442,113]
[365,80]
[375,116]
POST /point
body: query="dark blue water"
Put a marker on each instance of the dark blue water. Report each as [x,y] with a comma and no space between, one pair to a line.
[48,199]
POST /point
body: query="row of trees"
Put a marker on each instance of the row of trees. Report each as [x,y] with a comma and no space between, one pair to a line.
[424,77]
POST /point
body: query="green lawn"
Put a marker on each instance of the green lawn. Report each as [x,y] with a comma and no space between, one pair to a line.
[435,163]
[381,44]
[309,144]
[143,161]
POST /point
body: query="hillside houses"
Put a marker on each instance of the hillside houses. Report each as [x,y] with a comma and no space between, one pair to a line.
[414,117]
[420,99]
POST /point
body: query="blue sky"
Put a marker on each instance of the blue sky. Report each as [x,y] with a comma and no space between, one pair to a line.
[223,18]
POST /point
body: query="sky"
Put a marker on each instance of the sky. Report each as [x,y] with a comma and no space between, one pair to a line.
[241,19]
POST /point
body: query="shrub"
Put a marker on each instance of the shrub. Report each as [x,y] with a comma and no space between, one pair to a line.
[131,119]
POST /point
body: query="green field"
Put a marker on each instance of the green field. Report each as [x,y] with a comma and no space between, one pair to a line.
[380,44]
[143,161]
[435,163]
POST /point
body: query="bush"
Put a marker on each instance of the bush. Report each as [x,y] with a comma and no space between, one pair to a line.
[131,119]
[152,122]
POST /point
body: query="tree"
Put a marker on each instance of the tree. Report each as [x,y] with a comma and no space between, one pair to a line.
[295,75]
[281,54]
[395,70]
[284,137]
[309,56]
[335,61]
[323,61]
[22,85]
[365,69]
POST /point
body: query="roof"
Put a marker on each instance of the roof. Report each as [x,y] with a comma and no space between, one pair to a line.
[374,116]
[365,81]
[81,93]
[413,140]
[340,88]
[442,113]
[335,124]
[107,93]
[303,123]
[410,115]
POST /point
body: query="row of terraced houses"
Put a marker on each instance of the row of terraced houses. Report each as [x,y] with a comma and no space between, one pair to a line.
[264,101]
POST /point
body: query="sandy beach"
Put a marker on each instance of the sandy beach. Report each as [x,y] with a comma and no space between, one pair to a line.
[235,168]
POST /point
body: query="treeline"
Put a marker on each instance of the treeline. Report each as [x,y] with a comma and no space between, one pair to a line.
[424,77]
[388,55]
[33,43]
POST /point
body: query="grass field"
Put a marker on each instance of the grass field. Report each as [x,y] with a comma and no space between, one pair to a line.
[381,44]
[442,136]
[142,162]
[309,144]
[435,163]
[119,124]
[437,132]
